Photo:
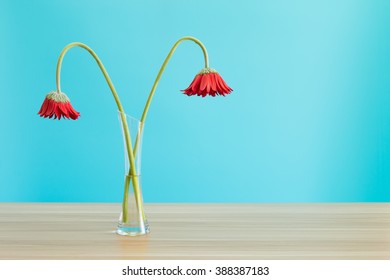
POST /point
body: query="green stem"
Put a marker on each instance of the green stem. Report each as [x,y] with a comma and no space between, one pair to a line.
[129,147]
[162,68]
[125,198]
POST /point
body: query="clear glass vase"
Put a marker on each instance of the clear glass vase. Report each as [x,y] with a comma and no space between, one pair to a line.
[132,220]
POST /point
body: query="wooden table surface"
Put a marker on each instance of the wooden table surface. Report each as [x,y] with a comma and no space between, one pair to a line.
[197,231]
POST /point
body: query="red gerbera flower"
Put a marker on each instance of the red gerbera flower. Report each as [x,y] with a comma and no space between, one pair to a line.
[207,82]
[57,104]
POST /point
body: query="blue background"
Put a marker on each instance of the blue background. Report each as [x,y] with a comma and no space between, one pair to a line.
[308,120]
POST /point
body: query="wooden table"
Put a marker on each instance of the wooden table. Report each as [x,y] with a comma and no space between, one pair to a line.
[197,231]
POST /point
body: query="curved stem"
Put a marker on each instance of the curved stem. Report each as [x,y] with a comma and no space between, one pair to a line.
[129,147]
[162,68]
[206,60]
[100,64]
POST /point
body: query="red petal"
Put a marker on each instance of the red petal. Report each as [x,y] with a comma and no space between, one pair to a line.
[213,82]
[205,81]
[43,107]
[196,86]
[73,114]
[228,89]
[64,110]
[57,111]
[208,87]
[50,108]
[189,91]
[192,89]
[222,86]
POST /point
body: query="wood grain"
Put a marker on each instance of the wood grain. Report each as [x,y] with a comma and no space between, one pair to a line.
[197,231]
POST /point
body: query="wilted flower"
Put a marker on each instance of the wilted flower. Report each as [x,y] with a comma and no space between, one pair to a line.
[207,82]
[57,104]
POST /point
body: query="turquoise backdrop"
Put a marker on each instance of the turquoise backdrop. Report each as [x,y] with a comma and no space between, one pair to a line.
[308,121]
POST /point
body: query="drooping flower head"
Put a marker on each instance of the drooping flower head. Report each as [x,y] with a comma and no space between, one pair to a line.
[57,104]
[207,82]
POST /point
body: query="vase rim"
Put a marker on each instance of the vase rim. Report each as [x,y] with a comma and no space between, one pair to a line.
[128,116]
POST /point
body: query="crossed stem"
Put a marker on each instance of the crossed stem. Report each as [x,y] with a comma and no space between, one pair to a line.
[132,173]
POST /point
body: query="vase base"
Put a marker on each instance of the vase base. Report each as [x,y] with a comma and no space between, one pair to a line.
[132,231]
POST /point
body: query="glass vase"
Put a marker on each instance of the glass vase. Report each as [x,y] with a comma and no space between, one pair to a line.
[132,220]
